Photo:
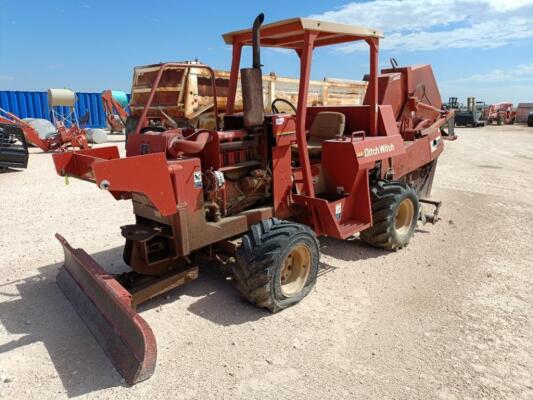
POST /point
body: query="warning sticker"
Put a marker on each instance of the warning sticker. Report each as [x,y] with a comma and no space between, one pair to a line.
[338,210]
[435,143]
[197,179]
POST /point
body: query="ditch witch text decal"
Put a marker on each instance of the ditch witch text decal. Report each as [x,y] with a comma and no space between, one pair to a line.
[374,151]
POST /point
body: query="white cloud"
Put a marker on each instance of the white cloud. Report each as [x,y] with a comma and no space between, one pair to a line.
[520,73]
[413,25]
[508,5]
[277,50]
[6,78]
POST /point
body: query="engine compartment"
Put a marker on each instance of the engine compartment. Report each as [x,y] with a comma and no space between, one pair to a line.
[235,172]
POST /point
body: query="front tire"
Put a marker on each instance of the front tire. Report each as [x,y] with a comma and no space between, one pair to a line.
[277,264]
[395,209]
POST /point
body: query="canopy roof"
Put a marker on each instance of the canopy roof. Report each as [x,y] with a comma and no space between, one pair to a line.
[289,33]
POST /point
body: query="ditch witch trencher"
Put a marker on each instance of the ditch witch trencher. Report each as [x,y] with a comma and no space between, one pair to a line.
[262,188]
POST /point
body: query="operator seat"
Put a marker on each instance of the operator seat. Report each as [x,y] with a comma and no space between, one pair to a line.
[326,125]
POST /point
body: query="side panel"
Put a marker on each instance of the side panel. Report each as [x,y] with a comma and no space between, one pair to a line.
[148,174]
[284,129]
[418,153]
[282,182]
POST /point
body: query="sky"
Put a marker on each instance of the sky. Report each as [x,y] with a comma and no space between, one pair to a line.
[481,48]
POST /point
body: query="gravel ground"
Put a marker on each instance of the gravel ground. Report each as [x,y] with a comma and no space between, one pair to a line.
[449,317]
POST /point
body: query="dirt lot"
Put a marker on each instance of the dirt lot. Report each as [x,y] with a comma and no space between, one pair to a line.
[449,317]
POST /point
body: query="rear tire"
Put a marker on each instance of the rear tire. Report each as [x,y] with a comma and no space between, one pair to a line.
[277,264]
[500,120]
[395,210]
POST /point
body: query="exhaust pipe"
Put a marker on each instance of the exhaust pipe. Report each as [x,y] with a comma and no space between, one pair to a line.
[256,40]
[252,81]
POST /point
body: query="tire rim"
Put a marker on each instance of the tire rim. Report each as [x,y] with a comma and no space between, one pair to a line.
[404,216]
[295,271]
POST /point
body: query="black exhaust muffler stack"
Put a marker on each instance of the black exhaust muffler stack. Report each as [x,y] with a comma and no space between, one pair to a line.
[252,82]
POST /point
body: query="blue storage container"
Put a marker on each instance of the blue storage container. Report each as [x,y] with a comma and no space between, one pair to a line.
[35,105]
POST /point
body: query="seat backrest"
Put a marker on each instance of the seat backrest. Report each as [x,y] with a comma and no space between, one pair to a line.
[328,125]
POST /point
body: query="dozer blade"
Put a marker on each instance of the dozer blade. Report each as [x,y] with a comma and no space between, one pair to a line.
[105,307]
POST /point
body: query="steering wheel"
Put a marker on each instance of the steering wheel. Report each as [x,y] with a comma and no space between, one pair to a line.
[275,110]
